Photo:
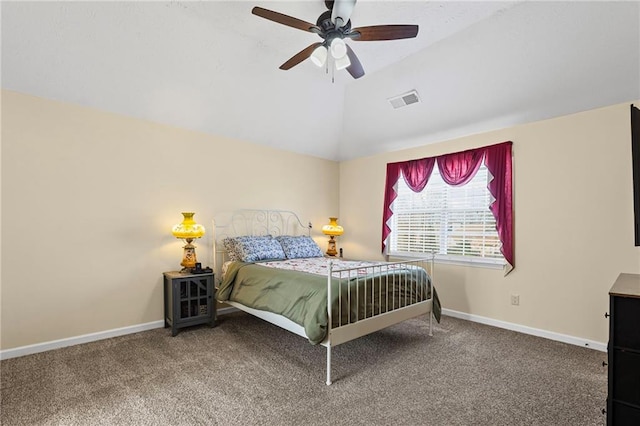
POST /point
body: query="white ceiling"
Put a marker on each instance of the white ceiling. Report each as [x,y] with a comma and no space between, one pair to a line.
[213,67]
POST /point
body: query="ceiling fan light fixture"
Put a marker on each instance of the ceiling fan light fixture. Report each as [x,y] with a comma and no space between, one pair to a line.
[342,63]
[338,48]
[319,56]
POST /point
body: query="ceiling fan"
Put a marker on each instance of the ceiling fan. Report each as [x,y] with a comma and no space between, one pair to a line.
[333,26]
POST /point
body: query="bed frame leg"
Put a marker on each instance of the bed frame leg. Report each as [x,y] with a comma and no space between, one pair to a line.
[431,323]
[328,365]
[432,272]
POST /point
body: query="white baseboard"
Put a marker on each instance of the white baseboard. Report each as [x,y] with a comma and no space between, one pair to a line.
[591,344]
[92,337]
[227,310]
[77,340]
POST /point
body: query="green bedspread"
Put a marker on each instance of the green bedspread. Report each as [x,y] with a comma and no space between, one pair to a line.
[302,297]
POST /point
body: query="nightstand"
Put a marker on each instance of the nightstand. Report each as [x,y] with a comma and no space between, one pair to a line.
[188,300]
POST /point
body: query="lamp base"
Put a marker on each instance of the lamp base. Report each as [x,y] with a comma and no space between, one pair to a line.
[189,256]
[331,250]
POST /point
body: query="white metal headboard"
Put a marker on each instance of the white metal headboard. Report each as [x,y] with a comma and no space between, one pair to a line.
[252,222]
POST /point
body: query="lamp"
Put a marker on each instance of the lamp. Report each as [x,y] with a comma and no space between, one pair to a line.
[188,230]
[332,230]
[319,56]
[339,53]
[342,63]
[338,48]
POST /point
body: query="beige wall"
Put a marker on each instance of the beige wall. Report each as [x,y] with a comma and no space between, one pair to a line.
[573,222]
[88,201]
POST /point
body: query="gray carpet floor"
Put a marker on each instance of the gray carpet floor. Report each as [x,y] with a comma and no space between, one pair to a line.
[248,372]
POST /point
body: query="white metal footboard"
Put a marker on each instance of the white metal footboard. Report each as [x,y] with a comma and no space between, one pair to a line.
[393,292]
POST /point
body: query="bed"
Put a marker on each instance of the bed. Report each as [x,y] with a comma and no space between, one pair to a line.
[267,265]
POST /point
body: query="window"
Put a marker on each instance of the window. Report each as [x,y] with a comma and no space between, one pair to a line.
[455,223]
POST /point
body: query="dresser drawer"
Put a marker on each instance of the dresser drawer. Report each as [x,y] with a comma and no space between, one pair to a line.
[624,415]
[626,377]
[626,317]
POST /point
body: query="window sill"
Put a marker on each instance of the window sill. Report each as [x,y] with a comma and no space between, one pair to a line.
[447,260]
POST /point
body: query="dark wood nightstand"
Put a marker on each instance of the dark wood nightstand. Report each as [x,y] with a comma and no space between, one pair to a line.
[189,299]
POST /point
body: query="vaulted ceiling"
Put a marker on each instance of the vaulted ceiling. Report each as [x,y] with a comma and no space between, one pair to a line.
[213,67]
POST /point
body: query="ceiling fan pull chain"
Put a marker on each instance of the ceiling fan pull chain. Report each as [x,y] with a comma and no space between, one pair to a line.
[333,72]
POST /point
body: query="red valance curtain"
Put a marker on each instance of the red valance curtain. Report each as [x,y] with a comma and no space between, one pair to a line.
[458,169]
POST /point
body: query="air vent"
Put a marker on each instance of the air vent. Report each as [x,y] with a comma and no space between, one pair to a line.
[405,99]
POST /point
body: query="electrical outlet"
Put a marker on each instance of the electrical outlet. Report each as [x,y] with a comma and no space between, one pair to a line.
[515,299]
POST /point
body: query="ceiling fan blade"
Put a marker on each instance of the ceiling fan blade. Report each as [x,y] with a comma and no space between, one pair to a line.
[384,32]
[300,56]
[287,20]
[355,69]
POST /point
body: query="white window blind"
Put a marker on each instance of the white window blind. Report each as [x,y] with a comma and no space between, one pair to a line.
[455,223]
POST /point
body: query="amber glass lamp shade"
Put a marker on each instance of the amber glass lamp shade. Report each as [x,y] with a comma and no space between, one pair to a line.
[188,230]
[332,230]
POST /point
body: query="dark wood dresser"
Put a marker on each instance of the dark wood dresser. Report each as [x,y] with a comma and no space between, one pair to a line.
[623,400]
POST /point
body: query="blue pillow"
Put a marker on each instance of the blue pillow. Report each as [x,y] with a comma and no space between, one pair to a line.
[253,249]
[230,246]
[300,246]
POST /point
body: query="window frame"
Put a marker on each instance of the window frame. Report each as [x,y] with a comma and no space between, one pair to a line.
[453,259]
